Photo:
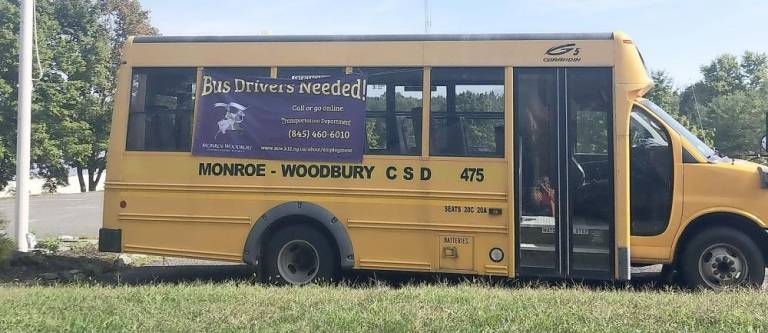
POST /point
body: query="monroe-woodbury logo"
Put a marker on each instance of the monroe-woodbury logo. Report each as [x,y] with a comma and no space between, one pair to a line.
[563,53]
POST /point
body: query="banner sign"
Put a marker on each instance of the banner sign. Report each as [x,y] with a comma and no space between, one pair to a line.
[315,119]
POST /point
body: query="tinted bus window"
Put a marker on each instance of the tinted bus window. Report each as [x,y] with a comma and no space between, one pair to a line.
[394,110]
[160,115]
[538,175]
[467,112]
[589,109]
[651,175]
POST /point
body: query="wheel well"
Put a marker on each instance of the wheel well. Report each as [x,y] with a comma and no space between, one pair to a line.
[298,220]
[304,213]
[729,220]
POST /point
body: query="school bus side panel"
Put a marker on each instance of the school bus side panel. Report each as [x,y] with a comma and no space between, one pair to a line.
[400,212]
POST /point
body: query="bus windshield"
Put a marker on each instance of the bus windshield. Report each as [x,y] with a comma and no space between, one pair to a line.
[711,154]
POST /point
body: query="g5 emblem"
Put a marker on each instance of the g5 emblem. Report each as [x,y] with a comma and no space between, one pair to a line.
[563,49]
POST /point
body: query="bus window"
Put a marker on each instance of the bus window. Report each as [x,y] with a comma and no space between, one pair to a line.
[301,73]
[467,112]
[651,175]
[590,168]
[393,112]
[590,108]
[160,115]
[536,133]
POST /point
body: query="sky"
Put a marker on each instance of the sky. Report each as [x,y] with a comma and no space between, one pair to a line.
[673,35]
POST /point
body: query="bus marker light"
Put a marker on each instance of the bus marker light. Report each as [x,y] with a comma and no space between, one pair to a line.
[123,204]
[496,254]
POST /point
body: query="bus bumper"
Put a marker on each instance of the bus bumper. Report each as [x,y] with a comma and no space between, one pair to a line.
[110,240]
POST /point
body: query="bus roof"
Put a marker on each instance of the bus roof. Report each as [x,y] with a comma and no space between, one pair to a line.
[372,38]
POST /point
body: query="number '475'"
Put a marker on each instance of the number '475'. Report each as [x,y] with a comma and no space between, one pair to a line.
[472,175]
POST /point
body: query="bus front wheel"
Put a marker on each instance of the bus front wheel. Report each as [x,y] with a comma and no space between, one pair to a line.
[722,257]
[298,255]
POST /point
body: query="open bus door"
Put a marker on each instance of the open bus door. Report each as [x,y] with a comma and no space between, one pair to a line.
[564,174]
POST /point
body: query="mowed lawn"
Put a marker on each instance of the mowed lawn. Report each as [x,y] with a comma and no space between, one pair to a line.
[470,307]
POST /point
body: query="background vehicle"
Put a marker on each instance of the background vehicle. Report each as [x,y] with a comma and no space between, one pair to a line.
[511,155]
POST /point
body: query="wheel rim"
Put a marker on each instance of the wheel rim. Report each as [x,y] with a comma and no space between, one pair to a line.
[722,265]
[298,262]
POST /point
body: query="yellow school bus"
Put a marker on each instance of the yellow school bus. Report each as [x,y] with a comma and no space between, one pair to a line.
[514,155]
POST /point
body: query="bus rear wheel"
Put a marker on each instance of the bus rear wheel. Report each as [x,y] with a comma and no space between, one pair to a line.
[297,255]
[720,258]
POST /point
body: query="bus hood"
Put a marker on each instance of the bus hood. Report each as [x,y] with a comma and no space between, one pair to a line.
[735,186]
[762,170]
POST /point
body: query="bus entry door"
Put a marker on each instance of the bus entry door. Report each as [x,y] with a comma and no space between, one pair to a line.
[564,172]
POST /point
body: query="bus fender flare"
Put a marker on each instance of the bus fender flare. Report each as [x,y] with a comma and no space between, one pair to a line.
[743,221]
[312,212]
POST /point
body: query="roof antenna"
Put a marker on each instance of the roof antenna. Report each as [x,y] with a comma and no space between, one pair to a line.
[696,104]
[427,17]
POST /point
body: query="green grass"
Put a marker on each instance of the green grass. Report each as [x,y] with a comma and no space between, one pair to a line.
[467,307]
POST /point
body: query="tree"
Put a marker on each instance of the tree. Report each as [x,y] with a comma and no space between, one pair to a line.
[9,22]
[668,98]
[724,75]
[79,44]
[45,154]
[730,100]
[737,119]
[755,68]
[663,92]
[124,18]
[118,19]
[82,58]
[693,98]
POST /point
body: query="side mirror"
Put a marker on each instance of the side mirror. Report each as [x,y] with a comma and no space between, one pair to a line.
[765,137]
[765,142]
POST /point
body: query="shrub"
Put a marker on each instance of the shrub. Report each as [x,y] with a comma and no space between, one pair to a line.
[7,247]
[51,244]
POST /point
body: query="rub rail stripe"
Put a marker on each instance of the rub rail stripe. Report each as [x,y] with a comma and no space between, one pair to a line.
[430,194]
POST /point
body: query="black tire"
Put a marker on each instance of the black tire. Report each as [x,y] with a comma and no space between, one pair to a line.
[308,241]
[735,246]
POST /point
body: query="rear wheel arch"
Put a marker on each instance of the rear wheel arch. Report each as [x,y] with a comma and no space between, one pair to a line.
[741,223]
[298,213]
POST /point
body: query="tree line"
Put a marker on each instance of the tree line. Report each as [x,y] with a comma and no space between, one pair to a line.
[79,44]
[726,108]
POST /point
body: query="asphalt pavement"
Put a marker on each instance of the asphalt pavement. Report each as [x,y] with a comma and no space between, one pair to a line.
[52,215]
